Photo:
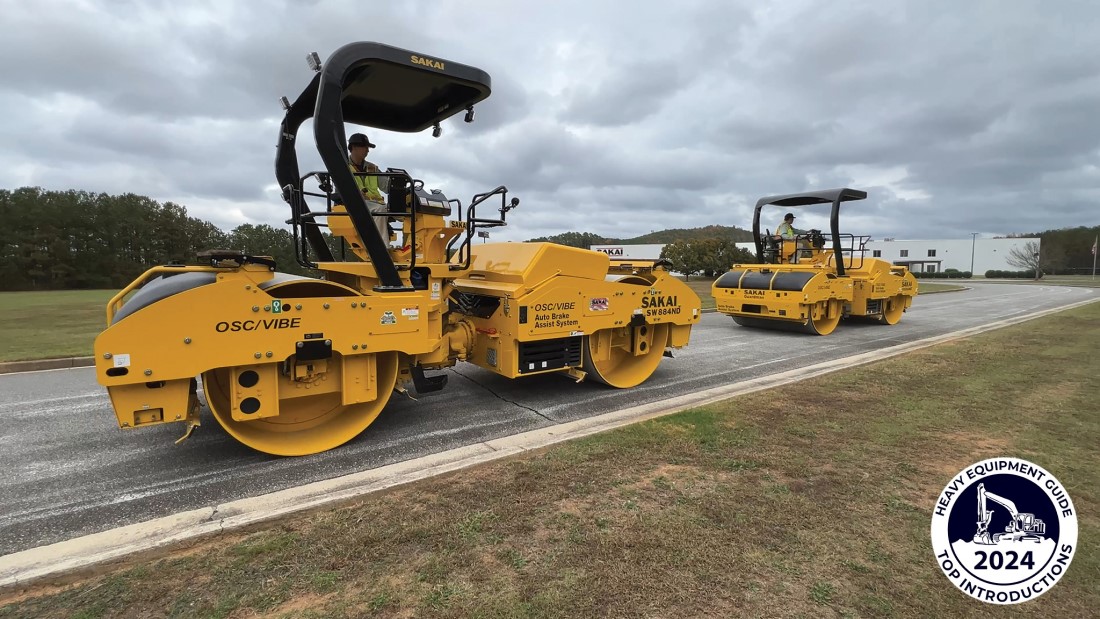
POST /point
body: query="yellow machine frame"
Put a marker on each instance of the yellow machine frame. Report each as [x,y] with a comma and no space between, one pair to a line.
[293,365]
[803,285]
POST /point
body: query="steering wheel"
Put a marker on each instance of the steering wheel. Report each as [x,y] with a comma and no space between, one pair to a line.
[817,240]
[813,238]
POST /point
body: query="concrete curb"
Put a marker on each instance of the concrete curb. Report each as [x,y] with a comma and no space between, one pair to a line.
[25,566]
[11,367]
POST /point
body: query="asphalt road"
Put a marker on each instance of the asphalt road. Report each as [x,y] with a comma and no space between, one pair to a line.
[69,471]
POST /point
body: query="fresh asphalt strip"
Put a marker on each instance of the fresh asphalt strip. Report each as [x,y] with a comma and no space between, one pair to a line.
[82,552]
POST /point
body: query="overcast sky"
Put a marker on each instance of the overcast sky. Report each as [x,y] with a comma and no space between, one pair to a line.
[617,118]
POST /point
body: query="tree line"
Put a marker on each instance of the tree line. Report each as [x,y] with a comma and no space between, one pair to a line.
[586,240]
[79,239]
[1062,252]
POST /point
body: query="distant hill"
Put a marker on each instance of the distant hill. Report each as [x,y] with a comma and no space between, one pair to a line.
[732,233]
[588,239]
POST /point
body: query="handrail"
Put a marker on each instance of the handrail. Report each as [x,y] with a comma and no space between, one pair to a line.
[473,223]
[115,303]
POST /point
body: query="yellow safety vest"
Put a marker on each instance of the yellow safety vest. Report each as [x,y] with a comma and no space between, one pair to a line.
[367,184]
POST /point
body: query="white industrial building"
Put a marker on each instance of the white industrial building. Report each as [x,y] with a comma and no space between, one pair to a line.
[976,255]
[942,254]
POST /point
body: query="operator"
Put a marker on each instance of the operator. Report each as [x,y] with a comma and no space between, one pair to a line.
[369,186]
[786,232]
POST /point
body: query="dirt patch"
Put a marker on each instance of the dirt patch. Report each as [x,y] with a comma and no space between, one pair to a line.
[300,603]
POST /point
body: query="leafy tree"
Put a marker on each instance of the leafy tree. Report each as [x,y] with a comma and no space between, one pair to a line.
[709,257]
[683,257]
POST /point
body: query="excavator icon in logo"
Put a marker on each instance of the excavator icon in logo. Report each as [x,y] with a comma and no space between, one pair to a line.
[1022,527]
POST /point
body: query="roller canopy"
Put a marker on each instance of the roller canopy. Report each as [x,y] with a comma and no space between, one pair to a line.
[399,90]
[372,85]
[826,196]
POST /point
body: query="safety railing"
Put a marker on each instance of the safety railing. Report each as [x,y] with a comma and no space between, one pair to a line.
[854,252]
[405,192]
[473,223]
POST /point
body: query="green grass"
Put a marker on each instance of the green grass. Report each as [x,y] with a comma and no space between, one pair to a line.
[1087,281]
[44,325]
[701,286]
[811,500]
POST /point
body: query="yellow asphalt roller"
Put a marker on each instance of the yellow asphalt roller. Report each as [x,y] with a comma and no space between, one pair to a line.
[802,284]
[292,365]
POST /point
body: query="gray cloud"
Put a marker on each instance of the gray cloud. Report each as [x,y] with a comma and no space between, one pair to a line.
[955,117]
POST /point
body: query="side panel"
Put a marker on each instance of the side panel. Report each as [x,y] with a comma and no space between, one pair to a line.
[234,322]
[559,311]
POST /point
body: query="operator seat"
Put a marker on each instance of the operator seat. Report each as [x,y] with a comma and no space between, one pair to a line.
[771,248]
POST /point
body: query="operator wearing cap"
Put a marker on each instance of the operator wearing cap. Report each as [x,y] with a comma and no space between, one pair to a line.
[786,232]
[358,147]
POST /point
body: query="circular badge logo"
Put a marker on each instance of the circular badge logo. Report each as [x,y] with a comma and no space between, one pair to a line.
[1004,531]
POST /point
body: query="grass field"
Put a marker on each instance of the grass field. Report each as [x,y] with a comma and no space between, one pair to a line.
[1060,280]
[813,500]
[43,325]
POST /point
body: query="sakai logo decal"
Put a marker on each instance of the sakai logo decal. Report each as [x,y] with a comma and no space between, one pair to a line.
[598,304]
[611,251]
[426,62]
[669,301]
[661,305]
[1004,531]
